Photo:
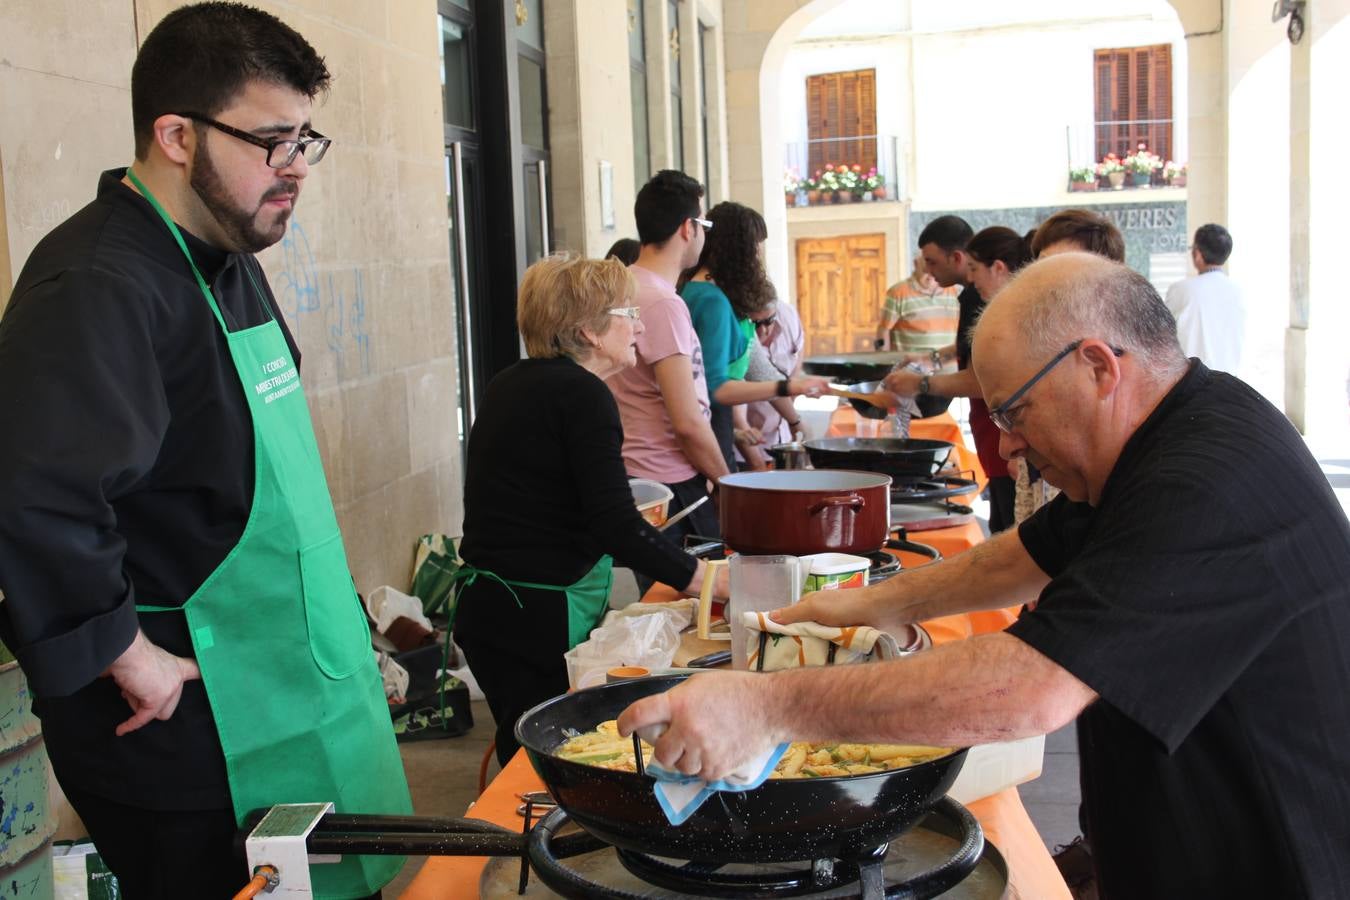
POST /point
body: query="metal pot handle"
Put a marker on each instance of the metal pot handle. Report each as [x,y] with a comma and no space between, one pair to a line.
[854,501]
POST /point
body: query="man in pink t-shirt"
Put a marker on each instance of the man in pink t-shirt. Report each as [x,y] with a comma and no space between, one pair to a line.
[663,400]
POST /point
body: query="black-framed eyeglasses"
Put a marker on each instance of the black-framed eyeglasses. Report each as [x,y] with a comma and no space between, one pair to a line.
[766,323]
[1004,416]
[314,145]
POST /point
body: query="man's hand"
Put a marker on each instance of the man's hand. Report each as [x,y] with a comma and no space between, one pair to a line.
[713,723]
[748,436]
[902,382]
[840,608]
[151,680]
[809,385]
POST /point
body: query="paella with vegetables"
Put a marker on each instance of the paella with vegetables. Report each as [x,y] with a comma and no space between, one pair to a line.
[604,748]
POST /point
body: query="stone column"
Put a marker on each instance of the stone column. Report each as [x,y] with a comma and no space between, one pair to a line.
[1328,314]
[588,94]
[1300,183]
[758,36]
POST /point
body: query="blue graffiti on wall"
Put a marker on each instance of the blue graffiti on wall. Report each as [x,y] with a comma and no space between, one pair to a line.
[303,291]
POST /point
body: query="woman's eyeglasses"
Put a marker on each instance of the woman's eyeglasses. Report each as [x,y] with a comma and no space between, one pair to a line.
[628,312]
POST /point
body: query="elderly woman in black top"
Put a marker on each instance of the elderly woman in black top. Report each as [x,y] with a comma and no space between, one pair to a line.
[547,501]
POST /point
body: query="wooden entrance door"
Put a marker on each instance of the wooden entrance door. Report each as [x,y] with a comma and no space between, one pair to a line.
[840,285]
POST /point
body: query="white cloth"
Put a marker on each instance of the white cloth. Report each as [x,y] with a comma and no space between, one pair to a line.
[680,795]
[1211,319]
[808,643]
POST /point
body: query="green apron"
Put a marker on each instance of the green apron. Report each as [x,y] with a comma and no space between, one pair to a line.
[587,597]
[279,634]
[740,365]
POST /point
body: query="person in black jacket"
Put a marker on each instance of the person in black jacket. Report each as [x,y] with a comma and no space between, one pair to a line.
[170,559]
[546,499]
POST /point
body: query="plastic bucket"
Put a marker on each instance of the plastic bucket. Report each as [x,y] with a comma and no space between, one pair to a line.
[652,499]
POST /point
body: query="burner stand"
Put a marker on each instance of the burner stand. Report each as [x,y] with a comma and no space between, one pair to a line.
[707,879]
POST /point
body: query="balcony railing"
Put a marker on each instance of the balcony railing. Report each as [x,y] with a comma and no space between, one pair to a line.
[1095,149]
[812,174]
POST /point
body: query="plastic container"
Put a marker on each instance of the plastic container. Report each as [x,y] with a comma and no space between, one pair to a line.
[832,571]
[815,414]
[759,584]
[990,768]
[652,499]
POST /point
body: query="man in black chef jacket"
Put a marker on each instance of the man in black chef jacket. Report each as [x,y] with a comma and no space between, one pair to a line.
[127,451]
[1191,591]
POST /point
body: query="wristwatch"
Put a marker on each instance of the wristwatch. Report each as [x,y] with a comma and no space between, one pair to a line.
[783,388]
[923,385]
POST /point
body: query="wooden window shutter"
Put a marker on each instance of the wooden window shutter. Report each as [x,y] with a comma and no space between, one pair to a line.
[815,119]
[841,105]
[1132,90]
[867,117]
[1161,139]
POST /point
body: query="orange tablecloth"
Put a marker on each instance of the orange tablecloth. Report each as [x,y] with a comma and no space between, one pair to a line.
[844,423]
[1004,819]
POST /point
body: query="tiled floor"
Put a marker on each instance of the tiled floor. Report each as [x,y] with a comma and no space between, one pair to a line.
[1052,799]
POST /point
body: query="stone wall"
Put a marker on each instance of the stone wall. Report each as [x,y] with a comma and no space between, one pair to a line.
[363,275]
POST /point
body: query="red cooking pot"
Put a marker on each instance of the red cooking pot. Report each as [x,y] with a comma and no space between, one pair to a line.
[802,512]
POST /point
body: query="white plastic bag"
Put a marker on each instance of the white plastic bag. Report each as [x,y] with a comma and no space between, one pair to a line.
[643,637]
[78,873]
[386,604]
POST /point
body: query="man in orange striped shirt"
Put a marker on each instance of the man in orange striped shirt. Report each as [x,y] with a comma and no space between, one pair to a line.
[918,314]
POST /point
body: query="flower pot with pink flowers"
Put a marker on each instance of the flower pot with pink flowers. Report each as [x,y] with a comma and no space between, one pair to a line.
[1175,173]
[1112,170]
[1141,164]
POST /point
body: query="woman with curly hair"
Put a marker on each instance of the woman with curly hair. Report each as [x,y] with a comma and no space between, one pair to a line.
[724,291]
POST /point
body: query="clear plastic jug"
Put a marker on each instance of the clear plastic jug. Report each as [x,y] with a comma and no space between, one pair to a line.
[759,584]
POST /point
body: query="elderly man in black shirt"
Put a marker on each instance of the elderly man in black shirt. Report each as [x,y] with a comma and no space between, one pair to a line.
[1191,593]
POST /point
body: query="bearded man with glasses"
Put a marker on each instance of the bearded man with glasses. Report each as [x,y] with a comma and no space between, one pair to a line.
[175,584]
[1189,610]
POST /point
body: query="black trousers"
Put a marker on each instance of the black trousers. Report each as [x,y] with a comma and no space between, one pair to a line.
[514,645]
[166,855]
[1002,498]
[724,429]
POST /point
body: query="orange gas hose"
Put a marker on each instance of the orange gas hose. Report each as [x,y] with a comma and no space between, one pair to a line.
[261,879]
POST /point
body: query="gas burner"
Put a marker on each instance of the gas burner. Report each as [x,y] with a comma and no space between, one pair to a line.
[884,564]
[944,854]
[939,487]
[929,516]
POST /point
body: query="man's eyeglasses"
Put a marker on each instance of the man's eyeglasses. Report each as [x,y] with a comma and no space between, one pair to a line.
[1004,416]
[707,225]
[766,323]
[280,153]
[628,312]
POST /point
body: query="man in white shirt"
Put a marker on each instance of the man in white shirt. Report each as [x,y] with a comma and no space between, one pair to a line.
[1208,307]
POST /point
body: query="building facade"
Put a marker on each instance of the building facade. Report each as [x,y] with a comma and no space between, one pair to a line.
[472,136]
